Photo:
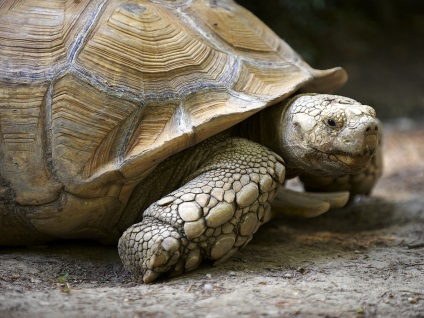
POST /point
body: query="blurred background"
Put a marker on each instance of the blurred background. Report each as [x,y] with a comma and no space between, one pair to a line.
[380,43]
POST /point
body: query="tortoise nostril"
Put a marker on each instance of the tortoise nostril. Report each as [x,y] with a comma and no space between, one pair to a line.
[371,129]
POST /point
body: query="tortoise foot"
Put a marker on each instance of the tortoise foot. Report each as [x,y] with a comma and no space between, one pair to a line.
[151,248]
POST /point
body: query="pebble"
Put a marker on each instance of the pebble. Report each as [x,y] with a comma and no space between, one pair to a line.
[208,287]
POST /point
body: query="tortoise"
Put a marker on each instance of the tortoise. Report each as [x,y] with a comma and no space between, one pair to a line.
[170,126]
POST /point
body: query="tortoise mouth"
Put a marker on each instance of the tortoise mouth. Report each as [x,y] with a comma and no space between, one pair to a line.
[352,161]
[338,162]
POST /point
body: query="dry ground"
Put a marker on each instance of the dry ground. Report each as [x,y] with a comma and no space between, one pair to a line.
[366,260]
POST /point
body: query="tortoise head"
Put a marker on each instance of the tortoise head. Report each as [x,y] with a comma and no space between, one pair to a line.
[326,135]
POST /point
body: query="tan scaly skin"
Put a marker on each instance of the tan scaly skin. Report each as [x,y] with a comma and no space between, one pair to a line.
[224,187]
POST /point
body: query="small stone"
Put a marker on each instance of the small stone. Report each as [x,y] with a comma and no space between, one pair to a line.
[35,280]
[208,288]
[247,195]
[189,211]
[220,214]
[412,300]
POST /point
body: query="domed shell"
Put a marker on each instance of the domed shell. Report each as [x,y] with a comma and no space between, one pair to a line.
[94,94]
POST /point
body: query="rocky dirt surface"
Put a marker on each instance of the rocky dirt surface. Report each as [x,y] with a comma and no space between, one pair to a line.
[366,260]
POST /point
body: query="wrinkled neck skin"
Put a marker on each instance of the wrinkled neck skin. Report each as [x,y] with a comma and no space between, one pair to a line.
[324,135]
[269,128]
[277,134]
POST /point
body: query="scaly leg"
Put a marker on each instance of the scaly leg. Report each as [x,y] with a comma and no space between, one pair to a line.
[211,216]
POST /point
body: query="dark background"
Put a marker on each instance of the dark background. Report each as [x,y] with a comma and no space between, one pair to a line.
[380,43]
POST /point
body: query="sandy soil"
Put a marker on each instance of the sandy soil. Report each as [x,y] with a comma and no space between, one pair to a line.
[366,260]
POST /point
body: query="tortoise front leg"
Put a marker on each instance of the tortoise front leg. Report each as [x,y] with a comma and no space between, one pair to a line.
[211,216]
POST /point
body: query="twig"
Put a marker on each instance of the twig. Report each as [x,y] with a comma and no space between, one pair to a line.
[416,245]
[411,292]
[189,288]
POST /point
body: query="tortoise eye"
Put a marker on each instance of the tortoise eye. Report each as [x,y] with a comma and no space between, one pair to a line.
[331,122]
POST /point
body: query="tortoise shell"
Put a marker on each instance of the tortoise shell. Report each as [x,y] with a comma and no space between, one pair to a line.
[94,94]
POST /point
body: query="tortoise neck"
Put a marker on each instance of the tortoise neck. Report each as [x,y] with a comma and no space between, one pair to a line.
[269,128]
[265,127]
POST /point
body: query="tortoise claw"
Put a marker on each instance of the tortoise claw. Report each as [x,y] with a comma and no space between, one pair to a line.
[150,276]
[307,204]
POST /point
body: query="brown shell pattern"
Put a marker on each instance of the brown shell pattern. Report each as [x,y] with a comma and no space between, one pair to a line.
[103,90]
